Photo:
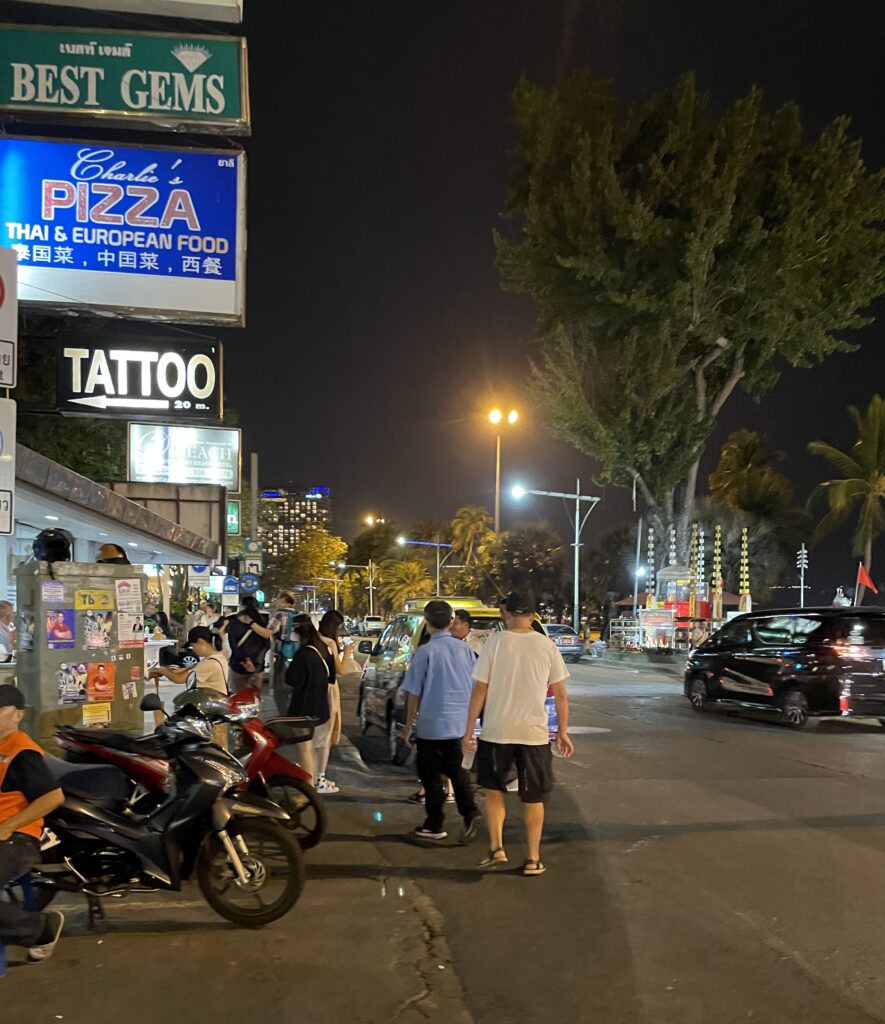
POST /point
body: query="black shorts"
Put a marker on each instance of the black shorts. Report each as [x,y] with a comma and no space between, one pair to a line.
[534,768]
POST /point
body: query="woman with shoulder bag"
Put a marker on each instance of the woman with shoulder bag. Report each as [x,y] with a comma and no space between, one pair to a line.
[330,624]
[309,676]
[248,635]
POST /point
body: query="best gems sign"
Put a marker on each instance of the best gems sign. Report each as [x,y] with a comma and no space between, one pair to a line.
[198,82]
[184,455]
[105,228]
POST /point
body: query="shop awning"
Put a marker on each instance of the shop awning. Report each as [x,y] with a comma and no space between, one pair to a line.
[48,494]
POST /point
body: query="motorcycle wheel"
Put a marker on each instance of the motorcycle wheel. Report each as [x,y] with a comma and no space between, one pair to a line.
[303,805]
[276,873]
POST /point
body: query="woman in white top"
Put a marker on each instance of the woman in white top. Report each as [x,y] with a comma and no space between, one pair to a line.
[211,670]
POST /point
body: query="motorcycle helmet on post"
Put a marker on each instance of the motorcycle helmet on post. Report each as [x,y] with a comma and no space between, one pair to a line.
[53,545]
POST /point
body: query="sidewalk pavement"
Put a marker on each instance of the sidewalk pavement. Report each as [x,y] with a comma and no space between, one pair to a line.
[364,944]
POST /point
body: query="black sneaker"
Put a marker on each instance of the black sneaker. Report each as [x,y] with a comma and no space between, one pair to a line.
[471,827]
[430,833]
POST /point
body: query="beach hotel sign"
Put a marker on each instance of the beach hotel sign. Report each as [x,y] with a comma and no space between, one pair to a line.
[131,78]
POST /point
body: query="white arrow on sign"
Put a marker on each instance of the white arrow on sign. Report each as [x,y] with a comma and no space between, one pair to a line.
[102,402]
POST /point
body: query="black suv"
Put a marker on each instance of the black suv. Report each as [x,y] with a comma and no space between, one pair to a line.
[796,662]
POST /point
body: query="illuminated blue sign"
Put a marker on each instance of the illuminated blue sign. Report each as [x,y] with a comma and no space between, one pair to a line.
[108,226]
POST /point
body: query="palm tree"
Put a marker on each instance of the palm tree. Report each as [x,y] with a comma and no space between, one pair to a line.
[401,580]
[861,481]
[469,526]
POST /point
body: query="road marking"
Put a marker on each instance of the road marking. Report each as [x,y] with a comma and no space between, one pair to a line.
[585,730]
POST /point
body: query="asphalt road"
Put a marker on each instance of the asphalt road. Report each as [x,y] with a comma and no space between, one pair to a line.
[701,868]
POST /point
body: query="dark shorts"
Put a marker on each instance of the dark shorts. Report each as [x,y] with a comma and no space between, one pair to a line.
[534,768]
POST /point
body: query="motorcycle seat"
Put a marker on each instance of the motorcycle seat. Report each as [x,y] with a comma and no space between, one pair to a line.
[292,730]
[100,784]
[116,739]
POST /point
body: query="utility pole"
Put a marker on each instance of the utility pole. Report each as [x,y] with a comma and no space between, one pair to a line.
[802,565]
[636,567]
[253,480]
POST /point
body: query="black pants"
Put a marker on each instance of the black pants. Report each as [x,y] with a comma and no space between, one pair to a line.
[438,760]
[17,926]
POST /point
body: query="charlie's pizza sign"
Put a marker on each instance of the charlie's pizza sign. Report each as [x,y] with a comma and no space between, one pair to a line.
[168,80]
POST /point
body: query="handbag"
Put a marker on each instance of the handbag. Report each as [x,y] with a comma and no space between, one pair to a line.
[248,663]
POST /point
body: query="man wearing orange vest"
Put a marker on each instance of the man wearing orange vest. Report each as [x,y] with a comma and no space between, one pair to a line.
[27,793]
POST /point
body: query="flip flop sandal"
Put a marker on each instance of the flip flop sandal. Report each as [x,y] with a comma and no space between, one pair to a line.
[492,860]
[416,798]
[533,867]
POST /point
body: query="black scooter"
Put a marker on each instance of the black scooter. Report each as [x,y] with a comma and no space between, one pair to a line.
[248,866]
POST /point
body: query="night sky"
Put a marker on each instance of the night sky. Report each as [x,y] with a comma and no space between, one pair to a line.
[378,336]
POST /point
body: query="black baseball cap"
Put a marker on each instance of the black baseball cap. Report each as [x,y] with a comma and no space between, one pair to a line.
[519,604]
[11,696]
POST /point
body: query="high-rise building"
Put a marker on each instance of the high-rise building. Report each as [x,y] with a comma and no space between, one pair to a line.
[288,514]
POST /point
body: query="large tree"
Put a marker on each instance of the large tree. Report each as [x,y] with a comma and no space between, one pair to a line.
[675,255]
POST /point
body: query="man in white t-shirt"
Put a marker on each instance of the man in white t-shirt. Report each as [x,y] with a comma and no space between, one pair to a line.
[511,679]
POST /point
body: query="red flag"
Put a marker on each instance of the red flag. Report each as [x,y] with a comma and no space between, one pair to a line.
[864,579]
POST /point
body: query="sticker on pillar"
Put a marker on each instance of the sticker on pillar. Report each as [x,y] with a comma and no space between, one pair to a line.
[96,599]
[95,630]
[60,629]
[100,681]
[130,691]
[52,592]
[135,672]
[129,596]
[96,714]
[130,630]
[24,629]
[71,683]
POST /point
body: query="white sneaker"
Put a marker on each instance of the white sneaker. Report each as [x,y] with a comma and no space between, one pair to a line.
[327,786]
[56,922]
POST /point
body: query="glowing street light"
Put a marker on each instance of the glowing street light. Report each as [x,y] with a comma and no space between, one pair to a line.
[374,520]
[496,418]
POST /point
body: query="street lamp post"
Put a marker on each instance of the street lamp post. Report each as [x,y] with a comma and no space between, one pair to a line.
[370,568]
[402,541]
[496,418]
[577,498]
[331,579]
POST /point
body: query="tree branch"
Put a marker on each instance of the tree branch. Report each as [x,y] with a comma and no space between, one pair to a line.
[643,486]
[734,378]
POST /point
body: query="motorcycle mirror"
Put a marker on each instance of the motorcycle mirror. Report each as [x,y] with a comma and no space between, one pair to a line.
[151,702]
[191,680]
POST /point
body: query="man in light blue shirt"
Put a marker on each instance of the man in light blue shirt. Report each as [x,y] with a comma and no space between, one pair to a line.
[439,683]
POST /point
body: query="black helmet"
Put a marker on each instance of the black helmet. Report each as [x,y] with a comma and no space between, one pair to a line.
[53,546]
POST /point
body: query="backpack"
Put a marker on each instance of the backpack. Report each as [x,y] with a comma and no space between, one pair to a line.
[288,646]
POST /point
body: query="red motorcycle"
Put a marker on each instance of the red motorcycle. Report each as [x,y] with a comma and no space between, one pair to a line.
[269,773]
